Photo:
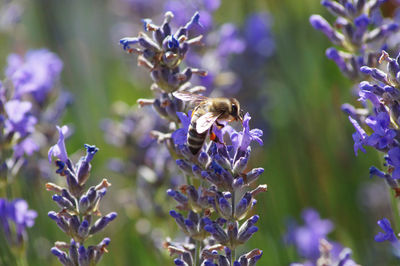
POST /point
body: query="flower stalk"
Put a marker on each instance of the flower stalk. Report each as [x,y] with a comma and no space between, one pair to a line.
[79,210]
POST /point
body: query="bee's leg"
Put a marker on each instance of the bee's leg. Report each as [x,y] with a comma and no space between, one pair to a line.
[214,137]
[220,126]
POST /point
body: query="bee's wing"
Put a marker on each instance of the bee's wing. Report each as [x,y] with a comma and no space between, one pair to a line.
[190,97]
[206,121]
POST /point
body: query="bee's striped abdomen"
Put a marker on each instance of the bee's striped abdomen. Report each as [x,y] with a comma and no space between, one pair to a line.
[195,140]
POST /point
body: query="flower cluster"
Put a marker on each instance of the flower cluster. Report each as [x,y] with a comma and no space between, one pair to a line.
[378,125]
[356,31]
[362,35]
[35,73]
[29,106]
[217,196]
[78,208]
[216,209]
[163,53]
[312,245]
[15,217]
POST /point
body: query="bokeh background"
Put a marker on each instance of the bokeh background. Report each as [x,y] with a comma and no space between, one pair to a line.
[308,152]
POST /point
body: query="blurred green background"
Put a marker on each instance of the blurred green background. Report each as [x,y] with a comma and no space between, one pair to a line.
[308,152]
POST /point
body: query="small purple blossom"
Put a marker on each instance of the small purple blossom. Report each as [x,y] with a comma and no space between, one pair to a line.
[59,150]
[388,234]
[241,140]
[383,136]
[17,213]
[27,146]
[306,238]
[359,136]
[35,73]
[19,119]
[311,242]
[258,34]
[182,9]
[230,41]
[179,136]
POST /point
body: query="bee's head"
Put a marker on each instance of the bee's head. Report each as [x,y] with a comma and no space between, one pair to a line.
[235,110]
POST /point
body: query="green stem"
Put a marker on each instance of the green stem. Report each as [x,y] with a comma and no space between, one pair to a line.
[197,254]
[233,205]
[21,261]
[188,180]
[233,257]
[20,255]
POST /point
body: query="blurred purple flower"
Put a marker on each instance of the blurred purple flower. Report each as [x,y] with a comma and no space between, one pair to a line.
[28,146]
[306,238]
[17,213]
[35,73]
[230,40]
[258,34]
[59,150]
[19,120]
[183,9]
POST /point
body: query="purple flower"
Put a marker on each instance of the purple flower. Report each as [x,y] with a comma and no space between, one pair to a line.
[17,213]
[183,9]
[28,146]
[355,25]
[367,93]
[334,54]
[78,208]
[230,42]
[59,150]
[383,135]
[319,23]
[241,140]
[388,234]
[21,215]
[258,34]
[359,136]
[35,73]
[19,119]
[180,135]
[306,238]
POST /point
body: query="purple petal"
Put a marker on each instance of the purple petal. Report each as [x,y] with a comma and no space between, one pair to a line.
[59,150]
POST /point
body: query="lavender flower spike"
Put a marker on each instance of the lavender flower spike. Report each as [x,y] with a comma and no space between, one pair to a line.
[78,209]
[356,33]
[222,167]
[208,211]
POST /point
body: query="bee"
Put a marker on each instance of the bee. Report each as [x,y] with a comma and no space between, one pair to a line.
[207,112]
